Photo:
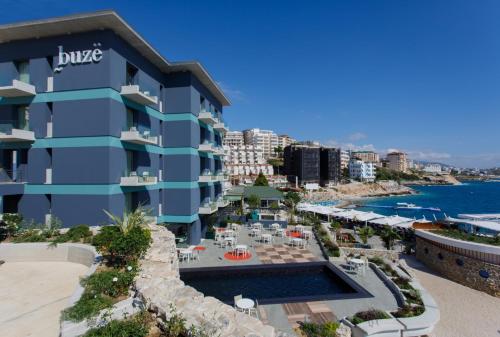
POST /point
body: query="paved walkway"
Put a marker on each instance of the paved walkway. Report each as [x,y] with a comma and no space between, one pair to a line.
[465,312]
[32,295]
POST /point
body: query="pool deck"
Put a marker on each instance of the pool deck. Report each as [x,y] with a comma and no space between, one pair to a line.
[285,317]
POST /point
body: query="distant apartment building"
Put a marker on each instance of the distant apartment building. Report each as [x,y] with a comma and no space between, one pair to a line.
[397,161]
[266,139]
[246,160]
[345,156]
[330,171]
[234,138]
[433,168]
[285,140]
[302,163]
[361,171]
[366,156]
[309,163]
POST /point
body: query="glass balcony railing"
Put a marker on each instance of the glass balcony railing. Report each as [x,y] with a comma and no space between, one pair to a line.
[133,135]
[132,178]
[14,131]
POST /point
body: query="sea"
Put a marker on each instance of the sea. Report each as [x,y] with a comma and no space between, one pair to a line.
[469,197]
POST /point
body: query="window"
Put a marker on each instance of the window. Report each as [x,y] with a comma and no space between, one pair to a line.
[459,262]
[131,76]
[426,250]
[440,256]
[202,104]
[23,69]
[23,117]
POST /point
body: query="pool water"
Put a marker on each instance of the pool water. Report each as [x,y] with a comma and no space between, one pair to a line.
[273,283]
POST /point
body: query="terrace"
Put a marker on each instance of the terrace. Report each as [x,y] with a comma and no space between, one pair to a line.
[239,251]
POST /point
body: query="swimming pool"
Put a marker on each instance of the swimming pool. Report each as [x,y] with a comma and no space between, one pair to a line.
[276,283]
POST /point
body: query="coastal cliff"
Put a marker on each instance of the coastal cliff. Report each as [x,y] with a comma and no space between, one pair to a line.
[357,190]
[445,179]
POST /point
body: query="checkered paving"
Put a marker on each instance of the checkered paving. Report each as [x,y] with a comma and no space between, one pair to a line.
[283,254]
[316,312]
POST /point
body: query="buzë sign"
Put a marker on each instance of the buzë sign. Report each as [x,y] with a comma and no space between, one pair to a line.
[78,57]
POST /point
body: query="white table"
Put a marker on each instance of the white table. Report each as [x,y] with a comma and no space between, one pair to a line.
[280,232]
[228,232]
[357,263]
[256,231]
[243,249]
[298,242]
[307,234]
[188,253]
[229,241]
[257,225]
[245,304]
[267,238]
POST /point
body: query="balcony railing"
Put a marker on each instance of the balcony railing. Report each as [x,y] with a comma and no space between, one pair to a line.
[221,127]
[222,176]
[9,132]
[18,89]
[133,179]
[219,151]
[208,208]
[207,117]
[134,93]
[206,147]
[206,177]
[12,176]
[222,202]
[133,135]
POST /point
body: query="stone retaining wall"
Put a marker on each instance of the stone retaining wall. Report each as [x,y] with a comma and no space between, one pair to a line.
[462,269]
[161,289]
[391,255]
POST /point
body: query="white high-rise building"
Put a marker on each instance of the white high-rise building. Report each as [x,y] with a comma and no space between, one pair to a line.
[266,139]
[246,160]
[362,171]
[345,156]
[285,140]
[234,138]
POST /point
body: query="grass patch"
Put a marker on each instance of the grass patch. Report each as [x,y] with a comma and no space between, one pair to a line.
[409,311]
[87,306]
[319,330]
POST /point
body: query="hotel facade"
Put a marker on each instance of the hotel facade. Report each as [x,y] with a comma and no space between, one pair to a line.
[92,118]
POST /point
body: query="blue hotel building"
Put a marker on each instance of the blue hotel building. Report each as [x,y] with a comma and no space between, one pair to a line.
[92,118]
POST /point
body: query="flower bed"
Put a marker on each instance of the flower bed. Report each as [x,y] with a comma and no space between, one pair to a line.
[368,315]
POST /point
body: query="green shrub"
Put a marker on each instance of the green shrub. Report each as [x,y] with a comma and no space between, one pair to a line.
[377,260]
[10,225]
[135,326]
[75,234]
[122,248]
[409,311]
[87,306]
[402,283]
[320,330]
[112,282]
[368,315]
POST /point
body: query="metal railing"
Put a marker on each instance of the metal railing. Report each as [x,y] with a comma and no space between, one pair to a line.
[12,176]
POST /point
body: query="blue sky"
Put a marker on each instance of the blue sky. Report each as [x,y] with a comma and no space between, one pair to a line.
[420,76]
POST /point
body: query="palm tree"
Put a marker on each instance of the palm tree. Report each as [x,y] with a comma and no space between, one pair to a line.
[291,200]
[129,220]
[365,233]
[389,235]
[336,226]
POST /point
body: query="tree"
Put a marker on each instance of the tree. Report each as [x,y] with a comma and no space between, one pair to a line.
[261,180]
[279,151]
[365,233]
[274,206]
[10,224]
[253,201]
[129,220]
[389,235]
[336,226]
[291,200]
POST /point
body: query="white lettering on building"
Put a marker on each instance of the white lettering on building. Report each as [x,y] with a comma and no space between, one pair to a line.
[78,57]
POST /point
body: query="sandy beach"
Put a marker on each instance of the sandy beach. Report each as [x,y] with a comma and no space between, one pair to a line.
[465,312]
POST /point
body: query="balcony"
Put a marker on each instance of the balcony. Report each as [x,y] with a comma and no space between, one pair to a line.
[9,133]
[207,117]
[222,176]
[134,136]
[219,151]
[12,176]
[208,208]
[222,202]
[221,127]
[206,147]
[133,179]
[18,89]
[133,93]
[206,177]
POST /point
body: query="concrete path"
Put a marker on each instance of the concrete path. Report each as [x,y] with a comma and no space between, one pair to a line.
[32,295]
[465,312]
